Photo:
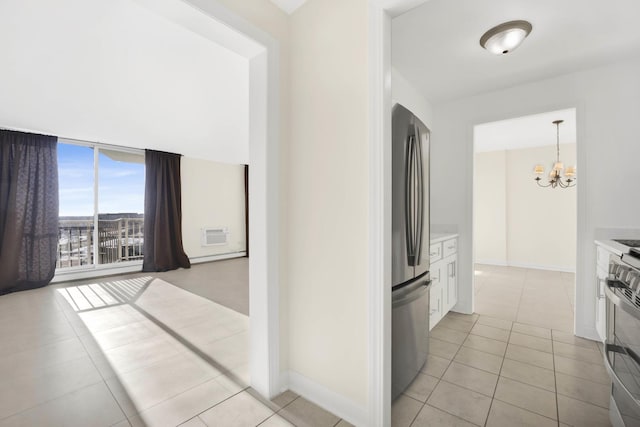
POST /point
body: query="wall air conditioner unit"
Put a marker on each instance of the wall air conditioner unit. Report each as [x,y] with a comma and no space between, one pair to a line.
[214,236]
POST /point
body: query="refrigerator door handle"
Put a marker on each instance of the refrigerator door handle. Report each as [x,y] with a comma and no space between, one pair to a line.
[420,188]
[408,200]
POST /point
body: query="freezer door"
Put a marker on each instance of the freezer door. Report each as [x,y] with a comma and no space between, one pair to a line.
[422,264]
[404,196]
[410,333]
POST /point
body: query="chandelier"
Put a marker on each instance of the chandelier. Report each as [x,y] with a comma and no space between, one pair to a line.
[555,176]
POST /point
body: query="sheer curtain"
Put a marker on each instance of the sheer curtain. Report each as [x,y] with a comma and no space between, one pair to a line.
[163,248]
[28,210]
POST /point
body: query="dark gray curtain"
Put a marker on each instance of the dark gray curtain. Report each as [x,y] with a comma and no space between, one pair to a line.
[163,249]
[28,210]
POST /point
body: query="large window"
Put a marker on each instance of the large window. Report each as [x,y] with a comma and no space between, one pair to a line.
[101,205]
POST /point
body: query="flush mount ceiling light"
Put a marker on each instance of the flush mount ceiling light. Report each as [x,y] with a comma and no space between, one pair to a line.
[555,176]
[505,37]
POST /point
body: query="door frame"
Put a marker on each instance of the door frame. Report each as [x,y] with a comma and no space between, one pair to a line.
[380,14]
[264,133]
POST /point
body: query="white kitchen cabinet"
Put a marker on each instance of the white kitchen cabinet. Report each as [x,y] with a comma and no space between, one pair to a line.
[602,272]
[444,278]
[449,247]
[435,252]
[436,296]
[450,265]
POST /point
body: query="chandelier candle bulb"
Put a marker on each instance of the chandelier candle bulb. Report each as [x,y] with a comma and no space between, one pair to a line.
[538,170]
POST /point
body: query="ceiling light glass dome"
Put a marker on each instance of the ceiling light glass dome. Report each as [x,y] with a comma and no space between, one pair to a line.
[505,37]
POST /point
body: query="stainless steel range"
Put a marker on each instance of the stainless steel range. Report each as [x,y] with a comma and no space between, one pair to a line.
[622,347]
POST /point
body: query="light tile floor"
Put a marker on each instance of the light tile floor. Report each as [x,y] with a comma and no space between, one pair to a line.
[514,364]
[132,351]
[536,297]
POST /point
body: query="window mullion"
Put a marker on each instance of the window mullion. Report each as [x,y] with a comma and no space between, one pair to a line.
[96,237]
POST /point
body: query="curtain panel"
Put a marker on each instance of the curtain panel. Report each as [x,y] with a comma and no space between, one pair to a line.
[28,210]
[163,249]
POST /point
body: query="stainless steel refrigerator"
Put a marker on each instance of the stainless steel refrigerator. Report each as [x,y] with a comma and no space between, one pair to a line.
[410,250]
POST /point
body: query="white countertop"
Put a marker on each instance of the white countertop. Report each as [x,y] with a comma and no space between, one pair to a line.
[613,247]
[439,237]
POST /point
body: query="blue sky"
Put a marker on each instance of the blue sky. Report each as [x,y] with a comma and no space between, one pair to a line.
[121,184]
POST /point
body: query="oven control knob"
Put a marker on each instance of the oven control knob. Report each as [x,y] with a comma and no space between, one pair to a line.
[632,280]
[623,272]
[613,270]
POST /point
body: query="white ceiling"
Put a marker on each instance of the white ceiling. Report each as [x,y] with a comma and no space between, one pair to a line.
[525,132]
[436,45]
[119,73]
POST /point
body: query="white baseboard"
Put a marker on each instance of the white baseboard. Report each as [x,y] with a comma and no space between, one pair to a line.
[325,398]
[492,262]
[543,267]
[219,257]
[524,265]
[588,332]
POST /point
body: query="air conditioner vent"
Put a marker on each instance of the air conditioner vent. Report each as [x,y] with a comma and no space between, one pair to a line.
[214,236]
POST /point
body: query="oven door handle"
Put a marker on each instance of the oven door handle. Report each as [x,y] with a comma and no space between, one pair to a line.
[622,303]
[612,373]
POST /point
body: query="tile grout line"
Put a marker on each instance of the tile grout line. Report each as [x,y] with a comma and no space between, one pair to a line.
[524,284]
[187,349]
[555,380]
[279,410]
[95,366]
[493,397]
[441,380]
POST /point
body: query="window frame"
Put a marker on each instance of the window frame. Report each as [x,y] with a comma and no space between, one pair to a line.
[96,146]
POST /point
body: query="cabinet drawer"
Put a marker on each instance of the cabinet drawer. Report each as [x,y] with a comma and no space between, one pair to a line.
[435,252]
[450,247]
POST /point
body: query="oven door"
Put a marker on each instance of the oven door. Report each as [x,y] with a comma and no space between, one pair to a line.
[622,355]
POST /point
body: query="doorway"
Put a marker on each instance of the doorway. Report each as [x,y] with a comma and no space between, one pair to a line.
[525,229]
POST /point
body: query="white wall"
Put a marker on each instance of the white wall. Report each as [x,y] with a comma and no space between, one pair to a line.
[327,260]
[117,73]
[608,107]
[517,223]
[490,208]
[405,93]
[323,198]
[212,196]
[541,221]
